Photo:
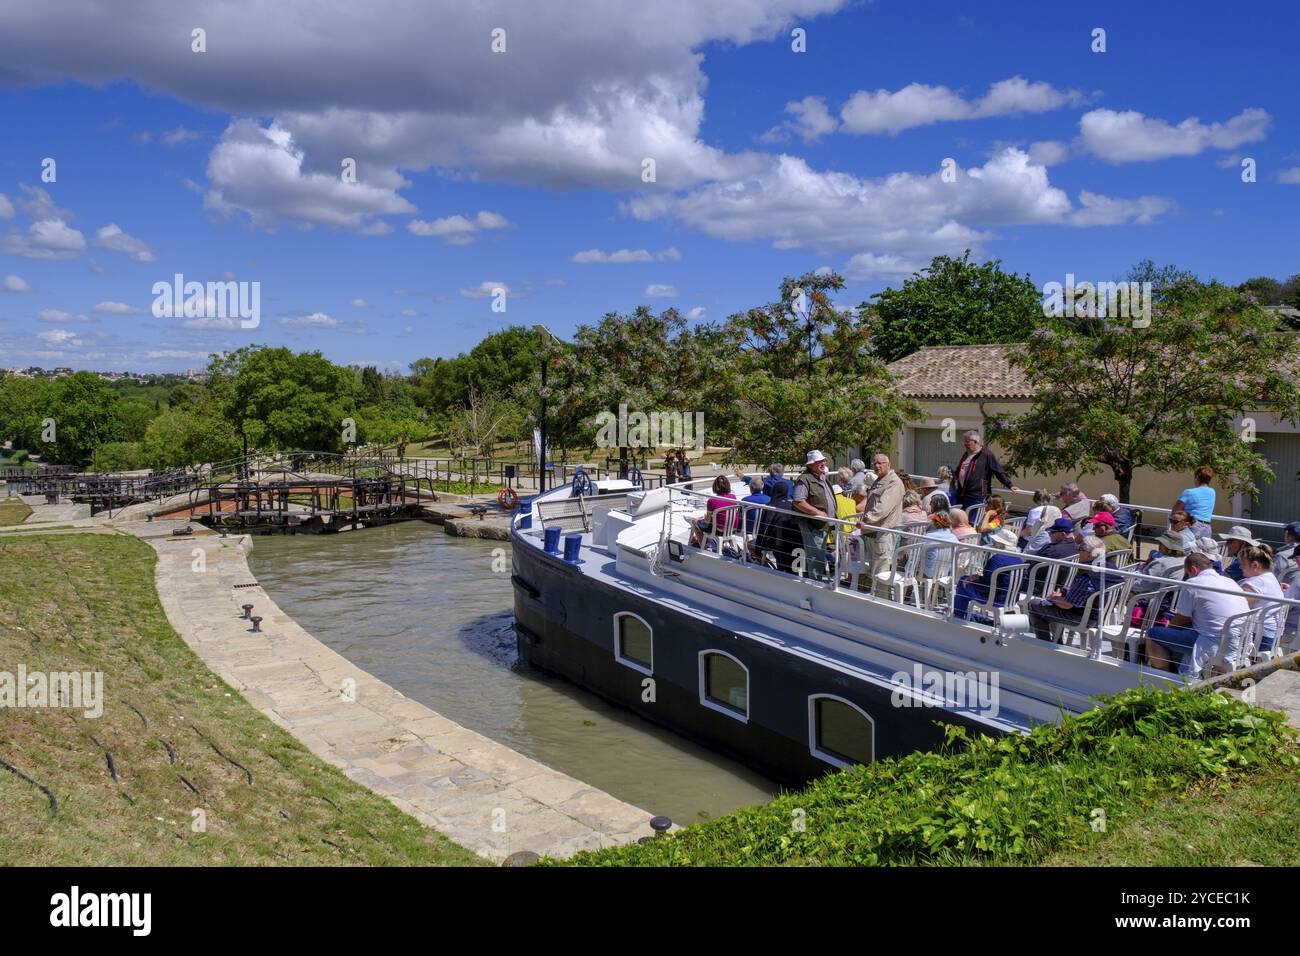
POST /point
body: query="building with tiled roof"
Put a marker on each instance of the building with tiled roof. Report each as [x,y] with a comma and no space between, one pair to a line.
[960,386]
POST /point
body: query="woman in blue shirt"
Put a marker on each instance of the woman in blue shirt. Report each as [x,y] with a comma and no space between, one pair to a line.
[1199,501]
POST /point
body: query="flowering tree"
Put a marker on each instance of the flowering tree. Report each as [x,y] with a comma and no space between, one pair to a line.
[805,377]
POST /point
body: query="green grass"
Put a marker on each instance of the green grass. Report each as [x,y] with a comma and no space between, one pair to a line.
[1149,764]
[1242,821]
[87,602]
[13,511]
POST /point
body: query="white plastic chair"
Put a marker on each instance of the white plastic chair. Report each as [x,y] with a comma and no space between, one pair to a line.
[901,574]
[1246,626]
[1008,580]
[1122,629]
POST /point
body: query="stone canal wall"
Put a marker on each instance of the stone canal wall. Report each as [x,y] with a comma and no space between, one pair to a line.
[478,792]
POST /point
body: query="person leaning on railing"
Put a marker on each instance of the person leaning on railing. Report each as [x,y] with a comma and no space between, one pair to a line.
[1066,606]
[814,499]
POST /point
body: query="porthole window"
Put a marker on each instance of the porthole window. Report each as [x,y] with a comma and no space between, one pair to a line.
[633,642]
[840,733]
[724,684]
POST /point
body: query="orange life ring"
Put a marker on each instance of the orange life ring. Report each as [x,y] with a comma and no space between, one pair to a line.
[508,499]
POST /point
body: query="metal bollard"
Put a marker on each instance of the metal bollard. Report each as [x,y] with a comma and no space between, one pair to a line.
[522,858]
[248,609]
[660,825]
[257,624]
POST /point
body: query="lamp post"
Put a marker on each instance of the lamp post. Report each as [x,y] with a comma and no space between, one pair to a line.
[546,337]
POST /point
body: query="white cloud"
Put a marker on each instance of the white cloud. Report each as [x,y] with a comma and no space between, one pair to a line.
[16,284]
[587,90]
[625,255]
[458,230]
[6,207]
[657,291]
[261,173]
[556,282]
[116,308]
[868,265]
[60,337]
[58,315]
[908,215]
[178,135]
[408,313]
[314,320]
[484,289]
[1131,137]
[360,303]
[175,354]
[699,312]
[212,323]
[112,237]
[47,239]
[812,120]
[917,104]
[38,205]
[1289,176]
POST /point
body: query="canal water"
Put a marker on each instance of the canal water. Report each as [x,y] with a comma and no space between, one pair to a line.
[427,614]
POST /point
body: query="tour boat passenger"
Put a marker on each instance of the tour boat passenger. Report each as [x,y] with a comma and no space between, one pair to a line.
[1198,501]
[995,515]
[813,500]
[975,473]
[977,588]
[1206,600]
[1037,535]
[1259,582]
[1166,561]
[722,500]
[1066,606]
[941,530]
[1236,540]
[756,496]
[961,527]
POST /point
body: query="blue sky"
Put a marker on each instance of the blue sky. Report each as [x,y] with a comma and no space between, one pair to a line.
[479,169]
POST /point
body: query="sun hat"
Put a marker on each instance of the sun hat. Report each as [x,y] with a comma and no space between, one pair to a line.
[814,456]
[1171,540]
[1005,539]
[1206,546]
[927,484]
[1238,533]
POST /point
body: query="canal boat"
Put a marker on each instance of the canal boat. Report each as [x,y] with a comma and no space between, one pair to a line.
[796,675]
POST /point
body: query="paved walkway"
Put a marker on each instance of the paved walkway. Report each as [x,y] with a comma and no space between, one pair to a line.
[478,792]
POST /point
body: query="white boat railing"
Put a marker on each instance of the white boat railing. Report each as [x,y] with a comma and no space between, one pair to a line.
[728,534]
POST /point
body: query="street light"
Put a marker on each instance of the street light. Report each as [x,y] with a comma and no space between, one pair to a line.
[546,337]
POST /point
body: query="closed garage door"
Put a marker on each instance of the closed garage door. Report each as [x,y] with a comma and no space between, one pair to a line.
[931,451]
[1280,499]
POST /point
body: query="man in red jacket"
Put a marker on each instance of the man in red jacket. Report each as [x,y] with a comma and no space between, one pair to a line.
[972,480]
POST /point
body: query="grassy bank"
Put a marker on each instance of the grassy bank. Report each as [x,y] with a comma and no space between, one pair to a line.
[121,789]
[13,511]
[1136,782]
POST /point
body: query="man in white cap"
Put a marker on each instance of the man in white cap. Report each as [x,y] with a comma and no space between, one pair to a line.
[1124,517]
[814,499]
[1234,540]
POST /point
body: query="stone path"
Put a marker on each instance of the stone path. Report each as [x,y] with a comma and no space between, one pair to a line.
[478,792]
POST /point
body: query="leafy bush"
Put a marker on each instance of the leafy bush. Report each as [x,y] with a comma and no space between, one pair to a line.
[995,800]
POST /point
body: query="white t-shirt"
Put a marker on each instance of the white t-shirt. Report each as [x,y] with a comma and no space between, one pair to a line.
[1209,599]
[1267,585]
[1034,514]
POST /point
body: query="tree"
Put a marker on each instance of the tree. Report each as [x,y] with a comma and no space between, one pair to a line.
[646,362]
[278,401]
[86,414]
[22,401]
[481,421]
[953,302]
[192,435]
[806,377]
[1169,396]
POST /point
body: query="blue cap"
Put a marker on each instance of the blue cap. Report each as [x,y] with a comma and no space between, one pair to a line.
[1293,528]
[1063,524]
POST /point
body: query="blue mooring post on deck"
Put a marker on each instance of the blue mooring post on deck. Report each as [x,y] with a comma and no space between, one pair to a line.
[526,518]
[552,541]
[572,544]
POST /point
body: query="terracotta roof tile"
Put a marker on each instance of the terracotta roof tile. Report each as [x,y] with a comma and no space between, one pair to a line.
[960,372]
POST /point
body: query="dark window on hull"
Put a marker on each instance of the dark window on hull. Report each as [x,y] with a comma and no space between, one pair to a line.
[839,732]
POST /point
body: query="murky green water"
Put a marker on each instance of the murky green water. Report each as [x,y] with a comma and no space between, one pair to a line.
[427,614]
